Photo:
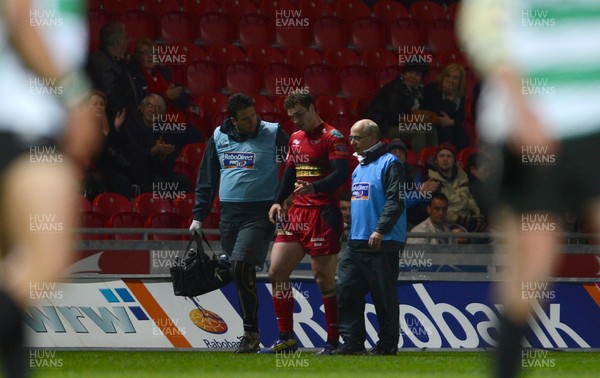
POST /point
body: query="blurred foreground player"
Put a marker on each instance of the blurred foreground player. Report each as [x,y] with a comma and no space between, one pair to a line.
[47,134]
[241,163]
[316,166]
[539,105]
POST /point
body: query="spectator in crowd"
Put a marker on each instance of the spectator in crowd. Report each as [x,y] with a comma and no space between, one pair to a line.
[453,183]
[395,106]
[245,200]
[149,78]
[345,209]
[47,133]
[539,109]
[149,149]
[478,171]
[370,260]
[316,166]
[107,63]
[436,223]
[445,96]
[105,171]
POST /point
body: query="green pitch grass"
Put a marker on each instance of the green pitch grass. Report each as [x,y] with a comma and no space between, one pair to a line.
[107,364]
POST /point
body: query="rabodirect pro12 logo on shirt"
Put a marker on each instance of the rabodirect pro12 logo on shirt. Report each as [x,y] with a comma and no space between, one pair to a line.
[239,160]
[360,190]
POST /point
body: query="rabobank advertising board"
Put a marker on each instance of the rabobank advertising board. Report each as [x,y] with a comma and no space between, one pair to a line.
[146,314]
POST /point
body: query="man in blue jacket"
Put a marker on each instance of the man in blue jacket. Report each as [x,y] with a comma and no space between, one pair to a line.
[377,235]
[241,162]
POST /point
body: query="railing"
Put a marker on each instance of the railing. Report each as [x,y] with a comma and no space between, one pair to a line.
[443,262]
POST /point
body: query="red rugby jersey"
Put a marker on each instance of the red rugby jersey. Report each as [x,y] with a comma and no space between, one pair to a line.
[309,154]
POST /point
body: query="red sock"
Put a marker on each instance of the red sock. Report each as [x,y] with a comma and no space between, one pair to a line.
[283,302]
[331,317]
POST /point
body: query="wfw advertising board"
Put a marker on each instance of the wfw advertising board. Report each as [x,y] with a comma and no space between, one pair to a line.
[146,314]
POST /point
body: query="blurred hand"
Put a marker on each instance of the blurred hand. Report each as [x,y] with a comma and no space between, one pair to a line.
[431,185]
[445,121]
[119,119]
[275,212]
[303,187]
[173,92]
[375,241]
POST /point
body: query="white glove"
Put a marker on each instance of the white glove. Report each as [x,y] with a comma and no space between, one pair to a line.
[196,226]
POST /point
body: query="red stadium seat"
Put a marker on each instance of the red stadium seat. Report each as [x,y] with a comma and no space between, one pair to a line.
[191,51]
[379,58]
[441,37]
[452,10]
[198,8]
[138,25]
[352,9]
[360,106]
[151,203]
[387,75]
[225,53]
[329,33]
[357,82]
[405,32]
[367,33]
[389,10]
[211,104]
[273,9]
[343,123]
[193,152]
[184,204]
[83,203]
[255,29]
[241,77]
[341,57]
[275,76]
[96,19]
[215,28]
[465,154]
[111,203]
[426,10]
[238,8]
[95,5]
[320,80]
[263,55]
[262,104]
[302,56]
[91,219]
[127,220]
[452,56]
[176,27]
[203,78]
[275,118]
[166,220]
[426,154]
[287,38]
[313,9]
[186,169]
[115,8]
[159,7]
[330,107]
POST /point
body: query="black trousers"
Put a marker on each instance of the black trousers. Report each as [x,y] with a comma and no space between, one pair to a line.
[361,272]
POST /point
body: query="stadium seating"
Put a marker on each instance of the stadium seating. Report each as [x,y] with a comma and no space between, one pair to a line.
[389,10]
[115,8]
[225,53]
[320,80]
[211,104]
[198,8]
[263,104]
[387,74]
[441,36]
[352,9]
[241,77]
[313,9]
[138,25]
[425,154]
[83,203]
[203,78]
[405,32]
[465,154]
[378,58]
[330,107]
[357,82]
[287,38]
[255,29]
[186,169]
[176,27]
[91,219]
[273,74]
[329,32]
[215,28]
[263,55]
[166,220]
[192,153]
[238,8]
[303,56]
[149,203]
[367,33]
[127,220]
[96,19]
[426,10]
[111,203]
[159,7]
[270,8]
[341,57]
[185,204]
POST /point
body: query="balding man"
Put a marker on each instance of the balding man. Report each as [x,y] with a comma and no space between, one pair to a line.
[377,235]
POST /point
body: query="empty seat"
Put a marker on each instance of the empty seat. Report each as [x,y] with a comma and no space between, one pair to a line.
[193,153]
[184,204]
[379,58]
[426,10]
[330,107]
[357,82]
[273,9]
[405,32]
[241,77]
[225,53]
[341,57]
[138,25]
[276,76]
[159,7]
[440,36]
[287,38]
[367,33]
[262,55]
[198,8]
[115,8]
[389,10]
[127,220]
[111,203]
[255,29]
[96,19]
[387,74]
[166,220]
[320,80]
[352,9]
[91,219]
[159,201]
[238,8]
[329,32]
[262,104]
[202,78]
[313,9]
[175,27]
[302,56]
[215,28]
